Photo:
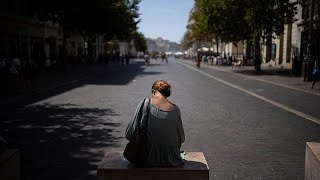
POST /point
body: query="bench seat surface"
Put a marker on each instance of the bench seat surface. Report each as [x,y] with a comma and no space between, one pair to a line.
[115,166]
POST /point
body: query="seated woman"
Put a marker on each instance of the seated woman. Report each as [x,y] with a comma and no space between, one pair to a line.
[164,129]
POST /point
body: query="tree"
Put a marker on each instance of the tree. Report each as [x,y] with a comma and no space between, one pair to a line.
[255,20]
[234,20]
[208,20]
[186,41]
[110,18]
[139,42]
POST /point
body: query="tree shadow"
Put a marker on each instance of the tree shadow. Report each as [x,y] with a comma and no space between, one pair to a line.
[120,75]
[63,141]
[124,76]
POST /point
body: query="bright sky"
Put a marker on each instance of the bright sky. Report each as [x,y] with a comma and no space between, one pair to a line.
[164,18]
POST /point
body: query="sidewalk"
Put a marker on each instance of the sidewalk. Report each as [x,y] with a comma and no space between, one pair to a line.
[46,81]
[276,76]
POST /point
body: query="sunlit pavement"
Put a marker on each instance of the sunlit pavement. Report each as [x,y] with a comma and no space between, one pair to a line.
[270,74]
[64,134]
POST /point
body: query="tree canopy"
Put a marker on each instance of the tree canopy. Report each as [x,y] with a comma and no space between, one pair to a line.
[139,41]
[234,20]
[112,18]
[186,40]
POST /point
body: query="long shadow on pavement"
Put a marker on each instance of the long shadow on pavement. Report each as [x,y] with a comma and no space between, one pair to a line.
[64,141]
[61,141]
[118,76]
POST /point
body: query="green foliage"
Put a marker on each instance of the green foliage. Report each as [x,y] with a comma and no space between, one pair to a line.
[240,20]
[186,41]
[235,20]
[112,18]
[139,42]
[209,18]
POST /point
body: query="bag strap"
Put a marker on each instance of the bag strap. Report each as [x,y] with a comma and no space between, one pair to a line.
[147,112]
[145,115]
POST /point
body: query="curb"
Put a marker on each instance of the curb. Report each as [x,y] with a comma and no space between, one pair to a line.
[256,78]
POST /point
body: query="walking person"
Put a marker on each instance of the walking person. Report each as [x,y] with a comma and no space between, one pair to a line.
[161,120]
[15,74]
[166,58]
[28,73]
[197,59]
[127,57]
[122,59]
[146,59]
[3,74]
[315,74]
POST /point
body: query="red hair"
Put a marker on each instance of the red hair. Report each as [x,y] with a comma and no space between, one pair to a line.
[162,87]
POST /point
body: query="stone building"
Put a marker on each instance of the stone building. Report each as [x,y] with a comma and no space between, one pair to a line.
[310,36]
[25,37]
[298,47]
[284,50]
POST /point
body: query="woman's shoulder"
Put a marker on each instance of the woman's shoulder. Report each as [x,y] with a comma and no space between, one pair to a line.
[176,107]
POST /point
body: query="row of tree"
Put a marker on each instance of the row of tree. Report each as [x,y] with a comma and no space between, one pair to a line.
[114,19]
[249,21]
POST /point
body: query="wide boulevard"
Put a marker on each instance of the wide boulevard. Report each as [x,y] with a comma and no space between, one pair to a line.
[247,129]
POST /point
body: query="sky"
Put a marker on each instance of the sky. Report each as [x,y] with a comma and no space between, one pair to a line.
[164,18]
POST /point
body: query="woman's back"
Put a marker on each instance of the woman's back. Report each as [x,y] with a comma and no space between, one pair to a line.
[165,127]
[166,135]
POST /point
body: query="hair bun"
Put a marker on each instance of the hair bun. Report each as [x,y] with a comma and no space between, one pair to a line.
[163,87]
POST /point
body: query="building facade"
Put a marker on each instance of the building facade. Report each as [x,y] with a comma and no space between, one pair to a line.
[284,51]
[28,38]
[310,36]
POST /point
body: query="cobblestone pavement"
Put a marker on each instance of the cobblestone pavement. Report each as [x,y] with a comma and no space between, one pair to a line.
[64,134]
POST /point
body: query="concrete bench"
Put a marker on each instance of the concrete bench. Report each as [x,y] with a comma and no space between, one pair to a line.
[115,167]
[312,161]
[10,165]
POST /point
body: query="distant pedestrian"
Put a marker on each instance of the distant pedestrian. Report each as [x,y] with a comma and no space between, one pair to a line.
[164,58]
[122,59]
[28,69]
[3,74]
[315,74]
[127,57]
[204,57]
[15,74]
[146,59]
[15,68]
[197,59]
[156,57]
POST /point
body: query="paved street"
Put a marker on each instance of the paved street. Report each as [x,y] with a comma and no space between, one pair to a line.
[247,129]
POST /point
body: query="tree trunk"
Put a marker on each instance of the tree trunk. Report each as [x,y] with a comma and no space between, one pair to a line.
[217,42]
[248,50]
[63,59]
[257,54]
[90,49]
[269,47]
